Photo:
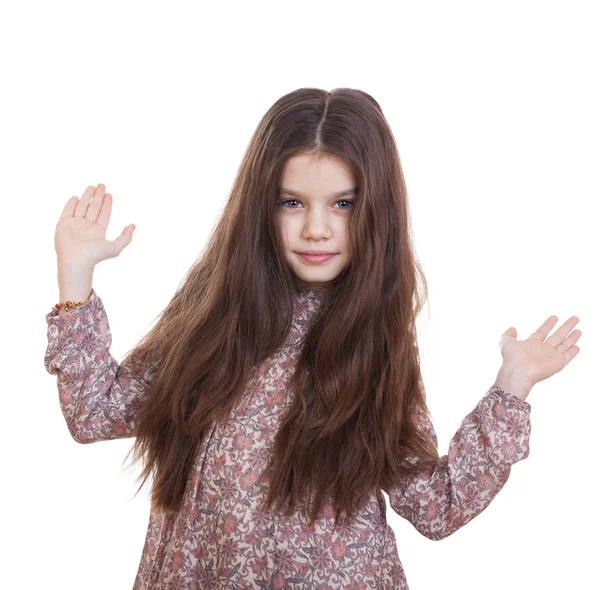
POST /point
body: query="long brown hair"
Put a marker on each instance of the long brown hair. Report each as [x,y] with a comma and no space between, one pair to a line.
[357,383]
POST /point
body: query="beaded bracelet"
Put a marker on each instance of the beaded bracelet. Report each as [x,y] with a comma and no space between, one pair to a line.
[70,304]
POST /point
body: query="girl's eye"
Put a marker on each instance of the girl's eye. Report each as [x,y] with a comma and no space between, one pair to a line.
[283,203]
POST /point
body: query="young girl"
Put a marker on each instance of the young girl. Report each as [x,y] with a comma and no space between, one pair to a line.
[280,391]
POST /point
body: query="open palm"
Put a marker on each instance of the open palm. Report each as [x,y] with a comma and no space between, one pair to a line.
[81,229]
[540,357]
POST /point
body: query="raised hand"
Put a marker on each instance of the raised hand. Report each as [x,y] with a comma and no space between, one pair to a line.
[539,357]
[81,228]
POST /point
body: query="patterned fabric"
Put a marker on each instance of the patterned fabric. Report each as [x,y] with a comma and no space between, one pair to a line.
[221,538]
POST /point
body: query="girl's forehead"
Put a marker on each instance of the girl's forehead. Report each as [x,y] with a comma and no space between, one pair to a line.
[307,180]
[307,166]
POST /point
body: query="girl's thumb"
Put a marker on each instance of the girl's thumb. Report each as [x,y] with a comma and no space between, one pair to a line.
[124,239]
[507,336]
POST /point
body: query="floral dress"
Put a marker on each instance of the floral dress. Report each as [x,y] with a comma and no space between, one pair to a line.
[221,538]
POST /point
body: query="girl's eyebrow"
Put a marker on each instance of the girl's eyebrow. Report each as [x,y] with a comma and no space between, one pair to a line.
[288,191]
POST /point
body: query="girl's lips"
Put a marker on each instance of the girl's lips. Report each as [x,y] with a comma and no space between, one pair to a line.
[316,259]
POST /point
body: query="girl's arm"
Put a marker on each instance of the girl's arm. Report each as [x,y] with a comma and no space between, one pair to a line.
[98,397]
[446,495]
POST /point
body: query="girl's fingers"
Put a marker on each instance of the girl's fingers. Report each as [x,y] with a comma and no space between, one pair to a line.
[560,335]
[104,215]
[97,199]
[94,206]
[82,206]
[69,208]
[542,332]
[571,353]
[569,341]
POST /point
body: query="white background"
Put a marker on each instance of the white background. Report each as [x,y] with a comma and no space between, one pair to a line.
[494,106]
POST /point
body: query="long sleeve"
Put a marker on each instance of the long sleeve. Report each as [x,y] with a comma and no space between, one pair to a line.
[99,398]
[446,495]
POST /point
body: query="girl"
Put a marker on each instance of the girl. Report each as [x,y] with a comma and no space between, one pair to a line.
[280,391]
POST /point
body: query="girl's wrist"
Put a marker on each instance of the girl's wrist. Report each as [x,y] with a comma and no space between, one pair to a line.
[513,382]
[74,281]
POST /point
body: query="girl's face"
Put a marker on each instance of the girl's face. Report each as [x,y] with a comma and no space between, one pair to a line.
[316,198]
